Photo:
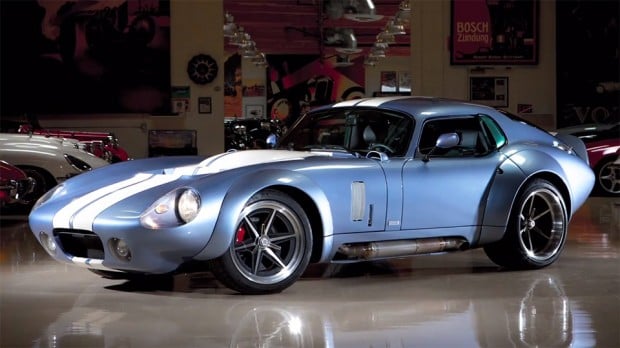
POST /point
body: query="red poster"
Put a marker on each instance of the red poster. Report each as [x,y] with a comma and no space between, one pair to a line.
[494,32]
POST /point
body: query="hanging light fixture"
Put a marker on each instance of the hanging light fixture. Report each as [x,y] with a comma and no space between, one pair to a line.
[404,13]
[349,40]
[230,28]
[371,61]
[394,28]
[238,37]
[385,36]
[361,11]
[377,52]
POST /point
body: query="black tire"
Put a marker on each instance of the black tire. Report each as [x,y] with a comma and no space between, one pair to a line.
[271,246]
[607,177]
[43,183]
[536,231]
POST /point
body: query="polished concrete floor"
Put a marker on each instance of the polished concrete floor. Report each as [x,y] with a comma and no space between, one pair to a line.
[450,300]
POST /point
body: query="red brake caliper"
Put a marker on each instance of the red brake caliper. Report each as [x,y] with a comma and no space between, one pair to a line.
[240,236]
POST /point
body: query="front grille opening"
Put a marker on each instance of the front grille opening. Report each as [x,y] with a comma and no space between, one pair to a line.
[80,243]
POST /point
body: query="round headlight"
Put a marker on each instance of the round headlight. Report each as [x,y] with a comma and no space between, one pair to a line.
[188,205]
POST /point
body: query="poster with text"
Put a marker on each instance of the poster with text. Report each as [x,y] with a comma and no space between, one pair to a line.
[494,32]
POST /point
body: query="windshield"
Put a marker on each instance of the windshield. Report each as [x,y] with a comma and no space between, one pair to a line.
[356,130]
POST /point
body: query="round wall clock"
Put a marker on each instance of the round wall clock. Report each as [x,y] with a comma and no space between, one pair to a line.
[202,69]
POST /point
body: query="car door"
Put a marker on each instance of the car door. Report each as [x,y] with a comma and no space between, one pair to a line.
[444,188]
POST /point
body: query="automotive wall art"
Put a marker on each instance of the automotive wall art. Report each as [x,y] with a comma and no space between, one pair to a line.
[296,83]
[109,56]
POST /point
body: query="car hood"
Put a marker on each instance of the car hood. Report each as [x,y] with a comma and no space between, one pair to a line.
[237,159]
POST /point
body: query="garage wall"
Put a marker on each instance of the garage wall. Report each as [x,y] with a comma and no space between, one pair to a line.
[432,73]
[196,28]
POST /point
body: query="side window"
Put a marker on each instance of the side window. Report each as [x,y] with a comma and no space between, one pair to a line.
[494,135]
[383,131]
[472,138]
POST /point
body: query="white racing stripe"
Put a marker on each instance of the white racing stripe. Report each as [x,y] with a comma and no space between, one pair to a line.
[83,220]
[62,219]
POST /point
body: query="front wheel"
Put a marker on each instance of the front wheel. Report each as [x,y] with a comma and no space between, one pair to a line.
[536,231]
[271,246]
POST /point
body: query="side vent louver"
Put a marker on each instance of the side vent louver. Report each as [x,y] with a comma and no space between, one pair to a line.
[358,200]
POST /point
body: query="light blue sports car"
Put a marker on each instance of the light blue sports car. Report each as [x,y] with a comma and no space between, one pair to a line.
[357,180]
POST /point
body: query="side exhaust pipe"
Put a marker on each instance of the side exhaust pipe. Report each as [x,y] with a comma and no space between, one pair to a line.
[398,248]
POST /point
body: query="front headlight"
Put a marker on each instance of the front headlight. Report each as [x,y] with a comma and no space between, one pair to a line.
[188,205]
[173,209]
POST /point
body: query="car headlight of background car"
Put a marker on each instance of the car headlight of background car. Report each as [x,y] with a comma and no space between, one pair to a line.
[173,209]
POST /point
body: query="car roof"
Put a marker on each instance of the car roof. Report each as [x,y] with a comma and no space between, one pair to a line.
[418,106]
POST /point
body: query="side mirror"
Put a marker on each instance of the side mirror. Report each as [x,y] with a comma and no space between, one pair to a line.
[447,140]
[444,141]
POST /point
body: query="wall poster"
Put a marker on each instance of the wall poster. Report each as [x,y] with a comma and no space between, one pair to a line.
[85,57]
[494,32]
[491,91]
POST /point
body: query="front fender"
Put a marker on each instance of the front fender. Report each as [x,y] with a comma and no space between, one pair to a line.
[244,188]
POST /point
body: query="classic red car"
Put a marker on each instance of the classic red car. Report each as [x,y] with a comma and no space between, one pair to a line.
[15,185]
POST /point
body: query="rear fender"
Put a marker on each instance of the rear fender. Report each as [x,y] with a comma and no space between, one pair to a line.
[508,180]
[576,144]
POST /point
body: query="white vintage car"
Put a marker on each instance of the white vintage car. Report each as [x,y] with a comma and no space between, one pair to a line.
[47,160]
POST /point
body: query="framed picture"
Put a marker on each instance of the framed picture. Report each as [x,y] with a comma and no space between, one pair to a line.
[254,111]
[389,81]
[489,90]
[204,105]
[172,142]
[494,32]
[404,82]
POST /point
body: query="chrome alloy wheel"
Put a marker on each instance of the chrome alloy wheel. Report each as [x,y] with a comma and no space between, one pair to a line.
[542,228]
[609,178]
[269,244]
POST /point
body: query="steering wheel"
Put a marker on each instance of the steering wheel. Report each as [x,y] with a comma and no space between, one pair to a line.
[382,148]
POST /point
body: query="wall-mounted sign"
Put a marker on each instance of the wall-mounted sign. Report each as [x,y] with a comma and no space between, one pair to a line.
[488,90]
[494,32]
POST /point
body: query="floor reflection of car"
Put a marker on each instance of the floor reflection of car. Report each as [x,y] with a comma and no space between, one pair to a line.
[48,161]
[603,145]
[541,315]
[15,185]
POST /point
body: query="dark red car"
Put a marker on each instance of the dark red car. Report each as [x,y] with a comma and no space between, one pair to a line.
[15,185]
[603,145]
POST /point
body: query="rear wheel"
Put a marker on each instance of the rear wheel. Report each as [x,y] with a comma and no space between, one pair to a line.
[271,246]
[536,231]
[608,177]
